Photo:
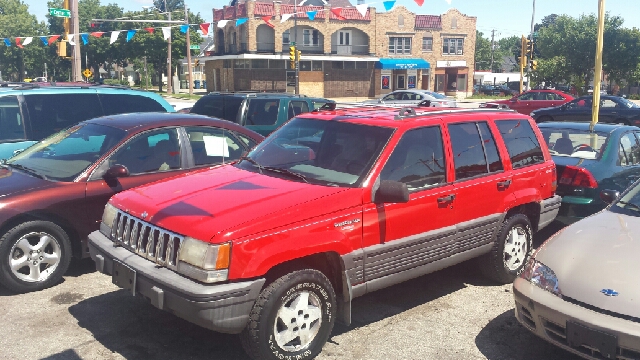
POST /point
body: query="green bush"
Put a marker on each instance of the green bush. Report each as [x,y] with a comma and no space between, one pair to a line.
[115,82]
[633,97]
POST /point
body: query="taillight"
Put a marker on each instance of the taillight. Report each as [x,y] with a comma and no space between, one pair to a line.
[577,176]
[554,180]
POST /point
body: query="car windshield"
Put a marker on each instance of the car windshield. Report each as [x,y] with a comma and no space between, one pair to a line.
[629,203]
[437,96]
[574,142]
[65,155]
[628,103]
[332,153]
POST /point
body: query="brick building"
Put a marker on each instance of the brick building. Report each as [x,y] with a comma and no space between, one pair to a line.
[357,56]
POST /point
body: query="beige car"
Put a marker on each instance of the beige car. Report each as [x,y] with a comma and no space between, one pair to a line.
[581,288]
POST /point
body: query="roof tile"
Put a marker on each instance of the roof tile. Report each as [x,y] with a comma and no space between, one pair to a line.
[428,22]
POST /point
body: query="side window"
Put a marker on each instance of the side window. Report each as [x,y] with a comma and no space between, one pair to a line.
[629,153]
[11,124]
[490,148]
[607,103]
[521,142]
[213,145]
[262,112]
[51,113]
[297,108]
[157,150]
[120,104]
[468,153]
[389,97]
[318,104]
[417,160]
[528,96]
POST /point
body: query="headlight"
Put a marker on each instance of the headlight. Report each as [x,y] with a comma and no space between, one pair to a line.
[109,215]
[203,261]
[542,276]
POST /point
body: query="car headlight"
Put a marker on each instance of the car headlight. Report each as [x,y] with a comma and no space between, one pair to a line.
[109,215]
[204,262]
[542,276]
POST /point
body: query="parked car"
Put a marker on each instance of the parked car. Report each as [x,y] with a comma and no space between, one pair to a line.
[531,100]
[52,194]
[260,112]
[30,112]
[584,170]
[613,109]
[580,289]
[329,207]
[491,90]
[414,97]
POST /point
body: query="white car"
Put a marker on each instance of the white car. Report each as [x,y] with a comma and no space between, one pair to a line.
[414,97]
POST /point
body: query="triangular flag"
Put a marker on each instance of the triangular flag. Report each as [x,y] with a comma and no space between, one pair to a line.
[388,5]
[114,36]
[205,28]
[285,17]
[85,38]
[7,42]
[97,34]
[311,14]
[222,23]
[130,34]
[27,40]
[362,9]
[19,43]
[53,39]
[241,21]
[267,20]
[150,30]
[336,12]
[166,32]
[44,40]
[184,28]
[419,2]
[70,39]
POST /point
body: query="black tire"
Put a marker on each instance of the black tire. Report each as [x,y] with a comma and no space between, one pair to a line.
[545,118]
[50,268]
[259,339]
[497,264]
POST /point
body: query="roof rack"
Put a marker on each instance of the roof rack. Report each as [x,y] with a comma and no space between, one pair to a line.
[409,112]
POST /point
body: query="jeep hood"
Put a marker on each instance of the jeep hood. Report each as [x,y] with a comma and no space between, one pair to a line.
[597,253]
[229,203]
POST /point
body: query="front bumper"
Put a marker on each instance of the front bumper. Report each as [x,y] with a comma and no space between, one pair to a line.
[547,315]
[219,307]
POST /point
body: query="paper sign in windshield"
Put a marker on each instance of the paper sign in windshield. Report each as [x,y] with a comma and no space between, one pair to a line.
[216,146]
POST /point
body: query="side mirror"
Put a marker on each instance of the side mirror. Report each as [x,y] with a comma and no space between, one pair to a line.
[609,196]
[116,171]
[392,192]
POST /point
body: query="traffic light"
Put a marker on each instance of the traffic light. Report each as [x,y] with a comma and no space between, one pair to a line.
[62,48]
[298,55]
[197,62]
[292,56]
[534,64]
[529,48]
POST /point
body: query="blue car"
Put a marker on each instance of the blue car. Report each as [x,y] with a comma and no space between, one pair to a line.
[586,163]
[31,112]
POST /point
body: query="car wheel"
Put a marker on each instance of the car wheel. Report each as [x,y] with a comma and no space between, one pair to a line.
[511,250]
[292,318]
[33,256]
[544,119]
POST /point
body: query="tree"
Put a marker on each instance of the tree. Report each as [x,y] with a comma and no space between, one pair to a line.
[172,5]
[482,56]
[509,48]
[546,22]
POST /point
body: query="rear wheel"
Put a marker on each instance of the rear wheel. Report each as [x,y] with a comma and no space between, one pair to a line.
[511,250]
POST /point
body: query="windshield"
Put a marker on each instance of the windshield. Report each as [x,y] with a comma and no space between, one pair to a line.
[65,155]
[573,142]
[628,103]
[437,96]
[332,153]
[629,203]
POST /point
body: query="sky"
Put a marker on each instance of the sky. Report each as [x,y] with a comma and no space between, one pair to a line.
[506,17]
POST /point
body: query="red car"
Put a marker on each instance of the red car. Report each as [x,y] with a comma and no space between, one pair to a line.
[52,194]
[332,205]
[531,100]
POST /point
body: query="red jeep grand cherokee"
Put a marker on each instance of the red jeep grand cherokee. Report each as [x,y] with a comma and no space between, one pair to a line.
[331,206]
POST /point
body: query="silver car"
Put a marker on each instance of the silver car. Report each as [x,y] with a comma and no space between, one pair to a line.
[414,97]
[581,288]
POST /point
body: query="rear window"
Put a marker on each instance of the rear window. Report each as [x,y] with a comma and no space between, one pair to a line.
[521,141]
[221,107]
[11,125]
[121,103]
[573,142]
[50,113]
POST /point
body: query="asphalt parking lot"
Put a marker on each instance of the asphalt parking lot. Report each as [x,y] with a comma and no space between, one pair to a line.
[451,314]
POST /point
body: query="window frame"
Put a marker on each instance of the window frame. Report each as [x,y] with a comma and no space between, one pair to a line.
[312,36]
[238,138]
[398,45]
[427,44]
[484,150]
[453,43]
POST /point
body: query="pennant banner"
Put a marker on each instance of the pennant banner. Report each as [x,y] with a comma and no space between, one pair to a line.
[53,39]
[85,38]
[419,2]
[44,40]
[19,43]
[205,28]
[150,30]
[388,5]
[241,21]
[362,9]
[27,40]
[70,39]
[114,36]
[267,20]
[97,34]
[222,23]
[7,42]
[337,12]
[312,15]
[130,34]
[166,32]
[184,28]
[285,17]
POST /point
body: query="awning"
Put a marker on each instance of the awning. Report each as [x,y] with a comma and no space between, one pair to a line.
[402,64]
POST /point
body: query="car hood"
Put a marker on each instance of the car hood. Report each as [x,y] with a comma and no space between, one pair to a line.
[13,182]
[232,202]
[594,254]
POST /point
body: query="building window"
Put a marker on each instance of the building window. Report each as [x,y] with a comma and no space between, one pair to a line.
[454,23]
[399,45]
[452,46]
[310,37]
[285,38]
[427,44]
[344,37]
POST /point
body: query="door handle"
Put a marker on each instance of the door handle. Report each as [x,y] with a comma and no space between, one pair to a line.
[446,199]
[504,184]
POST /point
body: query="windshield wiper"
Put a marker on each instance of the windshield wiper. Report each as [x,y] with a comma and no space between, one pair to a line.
[260,167]
[27,170]
[286,172]
[629,205]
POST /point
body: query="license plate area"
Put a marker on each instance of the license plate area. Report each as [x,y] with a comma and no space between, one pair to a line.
[124,277]
[579,335]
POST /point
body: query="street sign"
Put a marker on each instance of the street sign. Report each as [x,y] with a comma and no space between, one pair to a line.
[194,47]
[59,12]
[87,73]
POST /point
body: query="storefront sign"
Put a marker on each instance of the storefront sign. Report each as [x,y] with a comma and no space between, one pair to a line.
[386,81]
[411,82]
[453,63]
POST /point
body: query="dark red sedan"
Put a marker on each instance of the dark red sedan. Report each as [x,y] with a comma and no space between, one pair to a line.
[52,195]
[531,100]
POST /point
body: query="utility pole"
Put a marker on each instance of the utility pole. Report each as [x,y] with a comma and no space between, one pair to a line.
[533,14]
[169,77]
[146,75]
[492,45]
[189,79]
[295,40]
[76,72]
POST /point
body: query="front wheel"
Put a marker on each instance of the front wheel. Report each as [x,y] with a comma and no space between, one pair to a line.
[511,250]
[33,256]
[292,318]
